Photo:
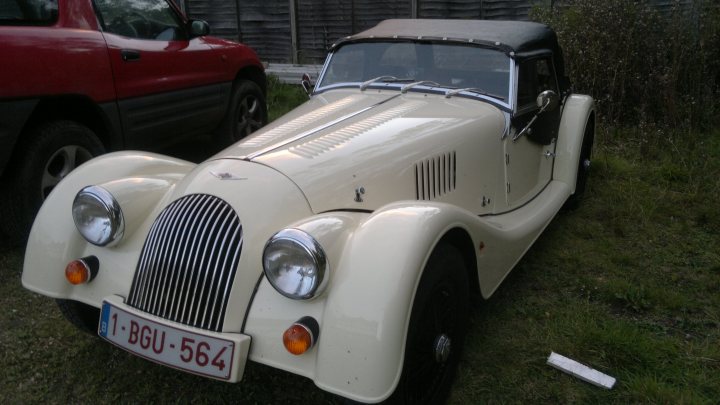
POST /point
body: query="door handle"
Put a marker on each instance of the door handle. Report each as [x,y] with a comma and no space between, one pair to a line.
[129,55]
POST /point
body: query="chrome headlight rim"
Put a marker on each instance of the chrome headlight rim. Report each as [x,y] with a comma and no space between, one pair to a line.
[314,251]
[113,213]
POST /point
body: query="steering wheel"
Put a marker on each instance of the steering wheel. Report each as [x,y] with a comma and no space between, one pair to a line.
[119,26]
[139,22]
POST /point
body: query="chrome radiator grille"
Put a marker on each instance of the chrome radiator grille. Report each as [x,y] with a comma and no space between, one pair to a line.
[188,263]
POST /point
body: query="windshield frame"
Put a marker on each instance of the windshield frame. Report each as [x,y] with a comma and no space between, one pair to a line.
[504,104]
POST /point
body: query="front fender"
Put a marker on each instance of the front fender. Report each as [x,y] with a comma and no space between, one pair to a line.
[368,309]
[139,181]
[376,262]
[575,117]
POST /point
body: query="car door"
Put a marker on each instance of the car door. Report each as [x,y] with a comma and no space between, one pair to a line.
[529,158]
[168,84]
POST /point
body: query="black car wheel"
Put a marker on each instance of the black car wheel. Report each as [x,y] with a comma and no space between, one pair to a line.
[437,330]
[83,316]
[247,113]
[45,156]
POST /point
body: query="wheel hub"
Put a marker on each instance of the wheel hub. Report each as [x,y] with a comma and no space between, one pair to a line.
[586,164]
[60,164]
[442,348]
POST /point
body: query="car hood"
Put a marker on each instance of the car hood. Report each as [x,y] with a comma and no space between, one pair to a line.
[347,149]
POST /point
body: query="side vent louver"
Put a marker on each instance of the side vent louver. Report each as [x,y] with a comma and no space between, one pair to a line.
[435,177]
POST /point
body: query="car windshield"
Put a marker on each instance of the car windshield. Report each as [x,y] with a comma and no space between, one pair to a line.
[451,66]
[28,12]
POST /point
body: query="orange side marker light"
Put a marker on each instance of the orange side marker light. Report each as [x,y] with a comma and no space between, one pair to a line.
[77,272]
[81,271]
[301,335]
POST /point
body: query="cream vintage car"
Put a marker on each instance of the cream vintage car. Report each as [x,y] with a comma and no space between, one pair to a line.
[342,241]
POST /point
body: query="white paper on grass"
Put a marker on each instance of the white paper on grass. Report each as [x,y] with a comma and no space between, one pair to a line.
[580,371]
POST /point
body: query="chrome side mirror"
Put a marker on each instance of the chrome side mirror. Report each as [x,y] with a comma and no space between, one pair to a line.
[306,84]
[548,100]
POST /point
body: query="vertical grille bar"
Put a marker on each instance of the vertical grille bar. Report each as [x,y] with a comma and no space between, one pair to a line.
[208,269]
[157,249]
[186,268]
[217,275]
[188,262]
[190,227]
[188,285]
[163,259]
[166,271]
[179,256]
[196,283]
[238,238]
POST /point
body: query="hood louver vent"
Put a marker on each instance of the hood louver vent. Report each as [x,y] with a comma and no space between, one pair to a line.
[188,263]
[435,177]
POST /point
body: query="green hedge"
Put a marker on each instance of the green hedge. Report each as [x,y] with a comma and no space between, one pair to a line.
[644,68]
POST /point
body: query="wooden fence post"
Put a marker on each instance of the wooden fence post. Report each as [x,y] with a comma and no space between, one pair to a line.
[237,16]
[294,30]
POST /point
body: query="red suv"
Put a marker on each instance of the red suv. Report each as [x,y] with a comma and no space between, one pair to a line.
[80,77]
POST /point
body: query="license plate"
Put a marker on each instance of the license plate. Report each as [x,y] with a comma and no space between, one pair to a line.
[197,353]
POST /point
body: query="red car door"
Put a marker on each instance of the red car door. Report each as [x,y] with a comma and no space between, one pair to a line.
[168,83]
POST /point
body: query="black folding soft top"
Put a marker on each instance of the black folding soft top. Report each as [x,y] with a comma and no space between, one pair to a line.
[518,39]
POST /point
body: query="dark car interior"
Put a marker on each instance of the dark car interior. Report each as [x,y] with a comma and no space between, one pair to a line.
[28,12]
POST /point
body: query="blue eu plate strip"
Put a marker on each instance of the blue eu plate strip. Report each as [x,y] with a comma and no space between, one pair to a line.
[104,318]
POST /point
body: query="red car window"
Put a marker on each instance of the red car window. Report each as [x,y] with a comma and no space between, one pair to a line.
[28,12]
[142,19]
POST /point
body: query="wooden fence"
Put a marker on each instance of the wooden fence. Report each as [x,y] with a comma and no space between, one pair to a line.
[300,31]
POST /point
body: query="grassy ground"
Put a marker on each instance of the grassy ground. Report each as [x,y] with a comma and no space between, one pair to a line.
[283,98]
[629,283]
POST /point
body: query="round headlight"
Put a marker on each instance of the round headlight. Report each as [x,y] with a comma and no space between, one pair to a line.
[295,264]
[98,216]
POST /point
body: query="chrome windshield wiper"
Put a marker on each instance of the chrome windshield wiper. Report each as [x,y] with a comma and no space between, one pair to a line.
[407,87]
[384,79]
[453,92]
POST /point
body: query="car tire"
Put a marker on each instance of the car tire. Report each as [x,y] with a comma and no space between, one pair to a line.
[436,334]
[82,316]
[247,113]
[583,172]
[43,158]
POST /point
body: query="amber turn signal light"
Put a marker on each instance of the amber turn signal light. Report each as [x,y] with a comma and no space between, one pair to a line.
[81,271]
[301,335]
[77,272]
